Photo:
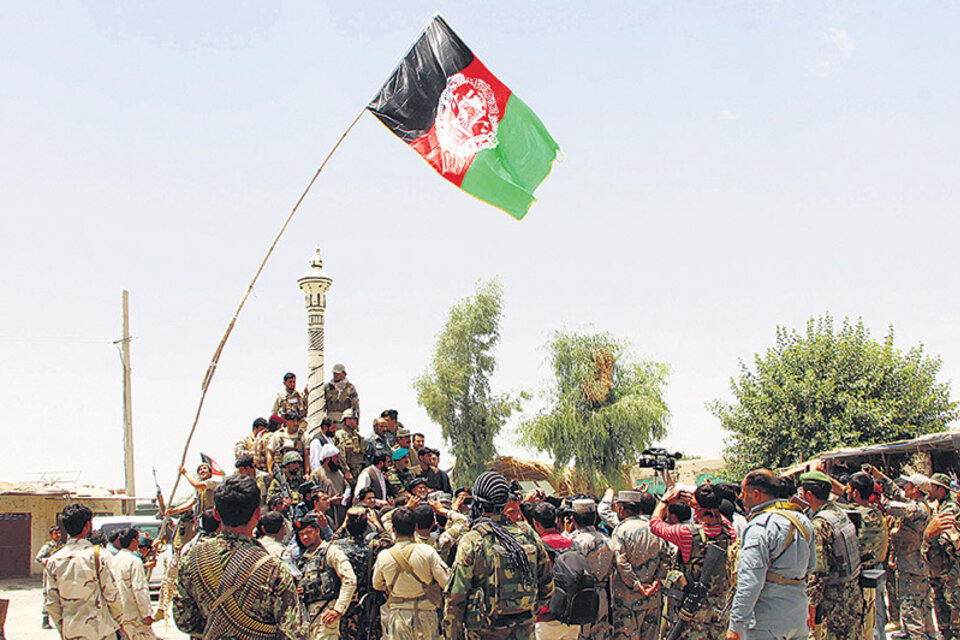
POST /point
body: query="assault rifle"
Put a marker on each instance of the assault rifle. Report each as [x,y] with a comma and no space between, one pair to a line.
[282,481]
[693,599]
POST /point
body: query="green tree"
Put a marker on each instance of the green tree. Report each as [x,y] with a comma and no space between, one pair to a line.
[825,389]
[605,408]
[455,388]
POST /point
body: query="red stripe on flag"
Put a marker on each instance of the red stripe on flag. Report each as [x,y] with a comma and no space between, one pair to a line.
[467,115]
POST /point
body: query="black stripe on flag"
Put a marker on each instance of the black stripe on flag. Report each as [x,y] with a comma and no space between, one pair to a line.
[407,103]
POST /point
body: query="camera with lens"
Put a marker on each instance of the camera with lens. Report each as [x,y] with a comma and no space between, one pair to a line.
[658,459]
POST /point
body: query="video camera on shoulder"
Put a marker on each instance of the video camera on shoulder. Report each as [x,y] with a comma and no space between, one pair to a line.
[658,459]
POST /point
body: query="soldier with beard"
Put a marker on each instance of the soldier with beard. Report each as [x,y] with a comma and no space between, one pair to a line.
[361,541]
[339,395]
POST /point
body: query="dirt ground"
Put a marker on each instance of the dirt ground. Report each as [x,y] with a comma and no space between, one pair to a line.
[24,613]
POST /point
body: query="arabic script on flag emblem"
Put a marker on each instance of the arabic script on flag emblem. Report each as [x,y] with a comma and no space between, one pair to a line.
[467,117]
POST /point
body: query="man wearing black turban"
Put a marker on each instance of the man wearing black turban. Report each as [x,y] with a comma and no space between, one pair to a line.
[501,575]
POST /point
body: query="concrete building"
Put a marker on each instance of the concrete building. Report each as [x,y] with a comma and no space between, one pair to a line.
[27,511]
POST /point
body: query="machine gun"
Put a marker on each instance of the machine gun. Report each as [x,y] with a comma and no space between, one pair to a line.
[693,599]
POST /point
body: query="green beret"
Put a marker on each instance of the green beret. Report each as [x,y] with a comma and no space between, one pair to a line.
[400,453]
[815,476]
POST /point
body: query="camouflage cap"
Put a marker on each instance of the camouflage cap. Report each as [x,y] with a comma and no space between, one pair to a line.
[632,497]
[291,456]
[920,481]
[349,413]
[403,433]
[584,505]
[339,368]
[815,476]
[941,480]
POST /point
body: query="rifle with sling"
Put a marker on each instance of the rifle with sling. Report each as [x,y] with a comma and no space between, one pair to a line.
[693,599]
[281,479]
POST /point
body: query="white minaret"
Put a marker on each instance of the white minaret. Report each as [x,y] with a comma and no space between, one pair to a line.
[315,283]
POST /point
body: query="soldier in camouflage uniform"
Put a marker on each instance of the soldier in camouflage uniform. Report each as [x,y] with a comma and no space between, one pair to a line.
[291,400]
[81,597]
[351,444]
[398,478]
[248,445]
[501,575]
[906,539]
[941,549]
[328,581]
[641,561]
[873,539]
[454,524]
[339,395]
[833,588]
[229,587]
[709,528]
[48,549]
[596,547]
[287,486]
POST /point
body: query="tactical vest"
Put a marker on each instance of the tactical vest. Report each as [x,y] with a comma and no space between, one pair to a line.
[844,560]
[291,401]
[350,444]
[872,537]
[942,559]
[358,552]
[721,581]
[320,582]
[337,402]
[503,595]
[290,442]
[907,536]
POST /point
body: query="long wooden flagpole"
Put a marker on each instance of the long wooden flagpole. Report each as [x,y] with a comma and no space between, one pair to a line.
[208,377]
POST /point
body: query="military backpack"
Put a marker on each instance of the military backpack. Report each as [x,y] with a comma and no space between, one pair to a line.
[505,594]
[844,549]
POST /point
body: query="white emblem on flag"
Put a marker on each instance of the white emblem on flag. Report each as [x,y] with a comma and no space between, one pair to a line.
[467,117]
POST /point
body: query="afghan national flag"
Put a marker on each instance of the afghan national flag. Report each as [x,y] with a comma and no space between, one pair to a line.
[214,467]
[467,124]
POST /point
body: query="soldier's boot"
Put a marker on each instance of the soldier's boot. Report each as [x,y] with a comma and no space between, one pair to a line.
[46,622]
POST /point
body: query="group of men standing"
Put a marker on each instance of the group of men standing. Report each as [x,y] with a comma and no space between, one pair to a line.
[94,590]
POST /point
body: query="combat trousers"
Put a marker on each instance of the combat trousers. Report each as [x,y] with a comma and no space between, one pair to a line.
[320,631]
[635,617]
[137,631]
[841,612]
[946,602]
[893,591]
[409,621]
[869,613]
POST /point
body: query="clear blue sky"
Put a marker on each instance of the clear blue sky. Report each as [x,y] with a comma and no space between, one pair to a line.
[730,167]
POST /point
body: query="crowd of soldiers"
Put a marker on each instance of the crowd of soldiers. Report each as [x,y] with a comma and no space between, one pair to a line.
[336,535]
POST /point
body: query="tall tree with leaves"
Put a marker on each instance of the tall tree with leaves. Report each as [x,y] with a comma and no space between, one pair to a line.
[824,389]
[605,407]
[455,388]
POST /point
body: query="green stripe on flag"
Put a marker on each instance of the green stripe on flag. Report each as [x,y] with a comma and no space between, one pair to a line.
[507,175]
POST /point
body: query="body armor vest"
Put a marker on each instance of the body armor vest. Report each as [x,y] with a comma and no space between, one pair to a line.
[844,549]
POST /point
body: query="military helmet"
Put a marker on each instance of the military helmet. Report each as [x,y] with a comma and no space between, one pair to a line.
[291,456]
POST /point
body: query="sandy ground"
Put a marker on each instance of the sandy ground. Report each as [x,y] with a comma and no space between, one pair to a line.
[24,614]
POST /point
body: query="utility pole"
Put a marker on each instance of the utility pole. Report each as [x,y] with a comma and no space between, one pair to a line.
[128,505]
